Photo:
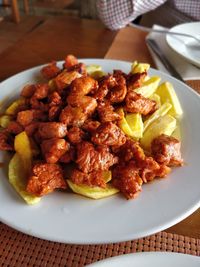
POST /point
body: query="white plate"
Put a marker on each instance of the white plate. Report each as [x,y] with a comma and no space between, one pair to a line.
[71,218]
[150,259]
[191,51]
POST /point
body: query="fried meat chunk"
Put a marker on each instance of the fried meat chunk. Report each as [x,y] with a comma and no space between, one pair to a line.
[48,130]
[54,99]
[50,71]
[92,179]
[91,159]
[53,149]
[75,135]
[65,78]
[70,61]
[83,86]
[108,134]
[69,156]
[149,169]
[45,179]
[166,150]
[136,80]
[107,83]
[41,91]
[90,125]
[87,103]
[28,90]
[118,92]
[131,150]
[26,117]
[14,128]
[126,178]
[106,112]
[6,141]
[137,103]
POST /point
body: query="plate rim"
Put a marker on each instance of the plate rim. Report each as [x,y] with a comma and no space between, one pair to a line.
[143,233]
[168,37]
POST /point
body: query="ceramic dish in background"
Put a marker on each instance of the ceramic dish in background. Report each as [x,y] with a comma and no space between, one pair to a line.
[185,46]
[70,218]
[150,259]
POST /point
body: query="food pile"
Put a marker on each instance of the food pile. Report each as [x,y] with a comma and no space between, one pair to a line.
[91,132]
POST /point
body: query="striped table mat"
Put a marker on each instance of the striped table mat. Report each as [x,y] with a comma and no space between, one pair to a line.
[17,249]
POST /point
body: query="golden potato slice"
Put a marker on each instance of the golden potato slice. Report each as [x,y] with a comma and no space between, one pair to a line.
[5,120]
[95,71]
[135,123]
[12,109]
[168,94]
[148,87]
[156,98]
[163,125]
[17,178]
[107,175]
[139,67]
[92,192]
[158,113]
[22,146]
[177,132]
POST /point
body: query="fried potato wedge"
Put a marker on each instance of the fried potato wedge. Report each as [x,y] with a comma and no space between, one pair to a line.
[158,113]
[12,109]
[163,125]
[135,123]
[17,178]
[5,120]
[148,87]
[167,94]
[139,67]
[156,98]
[22,146]
[92,192]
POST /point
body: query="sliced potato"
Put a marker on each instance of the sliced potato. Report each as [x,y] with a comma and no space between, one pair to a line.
[22,146]
[52,85]
[158,113]
[148,87]
[92,192]
[163,125]
[139,67]
[107,176]
[12,109]
[95,71]
[123,124]
[5,120]
[156,98]
[17,178]
[168,94]
[135,123]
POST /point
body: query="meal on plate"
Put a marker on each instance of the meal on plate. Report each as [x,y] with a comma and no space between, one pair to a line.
[91,132]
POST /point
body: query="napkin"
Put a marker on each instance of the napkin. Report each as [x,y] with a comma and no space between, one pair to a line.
[183,67]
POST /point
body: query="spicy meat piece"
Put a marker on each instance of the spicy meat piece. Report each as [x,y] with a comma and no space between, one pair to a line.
[118,92]
[41,91]
[92,179]
[136,103]
[65,78]
[90,125]
[80,67]
[83,86]
[136,80]
[70,61]
[48,130]
[54,99]
[166,150]
[28,90]
[149,169]
[106,112]
[26,117]
[14,128]
[53,149]
[72,116]
[108,134]
[69,156]
[75,135]
[45,179]
[105,85]
[6,141]
[126,178]
[87,103]
[91,159]
[131,150]
[50,71]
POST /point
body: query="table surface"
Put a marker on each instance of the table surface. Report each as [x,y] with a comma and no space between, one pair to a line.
[59,36]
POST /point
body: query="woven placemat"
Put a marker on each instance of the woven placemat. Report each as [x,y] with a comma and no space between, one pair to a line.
[17,249]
